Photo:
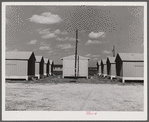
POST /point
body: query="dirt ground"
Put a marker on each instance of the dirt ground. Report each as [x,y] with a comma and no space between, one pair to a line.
[57,94]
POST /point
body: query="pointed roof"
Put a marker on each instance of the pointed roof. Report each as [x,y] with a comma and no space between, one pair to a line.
[111,59]
[46,60]
[50,61]
[18,55]
[103,61]
[38,58]
[72,57]
[99,62]
[131,56]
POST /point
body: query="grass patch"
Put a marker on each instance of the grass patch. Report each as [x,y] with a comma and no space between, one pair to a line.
[57,94]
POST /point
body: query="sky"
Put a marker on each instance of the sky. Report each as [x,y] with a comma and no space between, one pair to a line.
[50,30]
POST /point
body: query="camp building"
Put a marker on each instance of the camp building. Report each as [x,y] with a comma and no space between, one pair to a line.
[130,66]
[39,66]
[69,66]
[111,67]
[46,66]
[20,65]
[51,63]
[57,69]
[103,67]
[99,67]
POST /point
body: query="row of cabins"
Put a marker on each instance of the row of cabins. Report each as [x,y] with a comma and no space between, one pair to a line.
[126,66]
[25,65]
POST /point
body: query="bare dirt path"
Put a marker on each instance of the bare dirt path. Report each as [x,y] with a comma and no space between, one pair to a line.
[73,97]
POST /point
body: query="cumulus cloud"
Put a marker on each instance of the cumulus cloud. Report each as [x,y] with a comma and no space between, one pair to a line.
[52,34]
[66,39]
[44,31]
[57,31]
[88,55]
[46,18]
[64,33]
[65,46]
[49,52]
[43,43]
[95,55]
[93,42]
[106,52]
[62,39]
[32,42]
[92,55]
[44,48]
[73,39]
[95,59]
[49,35]
[96,35]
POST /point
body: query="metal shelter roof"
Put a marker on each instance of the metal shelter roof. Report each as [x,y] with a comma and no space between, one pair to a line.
[18,55]
[50,61]
[131,56]
[99,62]
[111,59]
[104,61]
[38,58]
[46,60]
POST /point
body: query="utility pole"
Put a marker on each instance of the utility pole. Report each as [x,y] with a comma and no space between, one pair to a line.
[113,51]
[76,54]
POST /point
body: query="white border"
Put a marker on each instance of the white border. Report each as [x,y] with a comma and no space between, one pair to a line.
[73,115]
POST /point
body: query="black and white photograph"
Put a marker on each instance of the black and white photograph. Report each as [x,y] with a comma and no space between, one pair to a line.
[74,61]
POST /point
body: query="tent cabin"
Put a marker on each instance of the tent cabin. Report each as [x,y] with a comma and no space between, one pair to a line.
[69,67]
[51,63]
[39,66]
[130,66]
[46,66]
[103,67]
[20,65]
[99,68]
[111,67]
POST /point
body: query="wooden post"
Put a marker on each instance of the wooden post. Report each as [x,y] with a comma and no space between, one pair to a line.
[113,51]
